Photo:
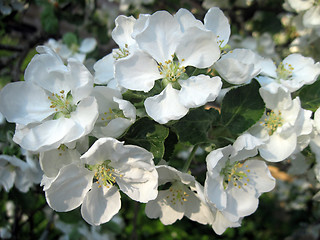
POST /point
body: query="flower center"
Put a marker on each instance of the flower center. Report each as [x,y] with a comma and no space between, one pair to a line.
[104,175]
[273,121]
[177,194]
[121,52]
[171,71]
[284,71]
[234,173]
[62,104]
[106,117]
[74,48]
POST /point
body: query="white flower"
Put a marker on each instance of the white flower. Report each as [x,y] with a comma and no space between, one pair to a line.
[53,105]
[167,51]
[76,52]
[291,74]
[115,114]
[281,125]
[91,181]
[122,35]
[239,66]
[179,200]
[263,44]
[14,171]
[234,187]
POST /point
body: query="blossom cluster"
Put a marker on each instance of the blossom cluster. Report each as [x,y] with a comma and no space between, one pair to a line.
[103,131]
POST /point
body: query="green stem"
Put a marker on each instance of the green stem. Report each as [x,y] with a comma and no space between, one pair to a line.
[188,162]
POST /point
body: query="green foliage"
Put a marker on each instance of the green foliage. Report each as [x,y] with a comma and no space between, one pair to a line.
[149,135]
[194,127]
[310,96]
[241,108]
[70,39]
[49,20]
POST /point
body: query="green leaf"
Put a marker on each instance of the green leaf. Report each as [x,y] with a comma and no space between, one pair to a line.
[70,39]
[310,96]
[242,107]
[194,127]
[49,20]
[149,135]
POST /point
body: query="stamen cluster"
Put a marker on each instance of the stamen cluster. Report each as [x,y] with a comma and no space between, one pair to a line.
[62,104]
[177,194]
[105,175]
[234,173]
[284,71]
[273,121]
[171,70]
[121,52]
[112,114]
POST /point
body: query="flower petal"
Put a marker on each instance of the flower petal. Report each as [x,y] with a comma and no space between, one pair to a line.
[88,45]
[138,71]
[121,34]
[198,90]
[159,38]
[24,103]
[198,48]
[69,188]
[104,69]
[216,21]
[165,106]
[100,204]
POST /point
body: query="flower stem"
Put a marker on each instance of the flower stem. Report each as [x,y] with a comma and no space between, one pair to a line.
[188,162]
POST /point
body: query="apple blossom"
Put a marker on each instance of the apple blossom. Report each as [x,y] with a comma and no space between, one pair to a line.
[292,73]
[233,186]
[90,181]
[179,200]
[53,105]
[165,51]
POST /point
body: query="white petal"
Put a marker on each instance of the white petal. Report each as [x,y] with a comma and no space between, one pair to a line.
[121,34]
[239,66]
[42,65]
[198,48]
[260,176]
[187,20]
[163,209]
[240,203]
[79,80]
[104,69]
[198,90]
[275,96]
[214,191]
[159,38]
[103,149]
[216,21]
[142,191]
[46,136]
[140,24]
[221,223]
[138,72]
[7,177]
[52,161]
[100,204]
[85,117]
[317,119]
[129,111]
[165,106]
[311,19]
[115,128]
[24,103]
[69,188]
[88,45]
[278,148]
[195,209]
